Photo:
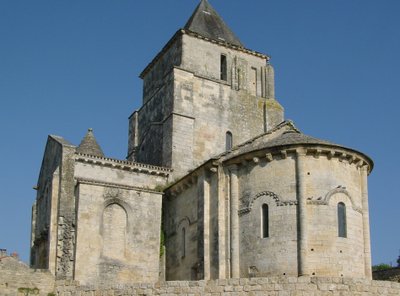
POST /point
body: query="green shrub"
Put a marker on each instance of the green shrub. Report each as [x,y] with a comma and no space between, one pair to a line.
[29,291]
[381,266]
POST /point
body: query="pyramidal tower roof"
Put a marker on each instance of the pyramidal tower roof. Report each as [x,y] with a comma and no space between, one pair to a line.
[206,22]
[89,145]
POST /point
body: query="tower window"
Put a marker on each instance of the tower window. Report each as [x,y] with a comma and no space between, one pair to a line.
[223,68]
[229,141]
[342,224]
[265,221]
[183,242]
[239,79]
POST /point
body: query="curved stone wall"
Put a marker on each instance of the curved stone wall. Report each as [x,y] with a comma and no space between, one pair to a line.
[328,183]
[272,184]
[324,182]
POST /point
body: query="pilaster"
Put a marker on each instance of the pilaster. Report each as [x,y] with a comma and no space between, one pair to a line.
[53,222]
[204,224]
[234,209]
[302,236]
[365,216]
[222,226]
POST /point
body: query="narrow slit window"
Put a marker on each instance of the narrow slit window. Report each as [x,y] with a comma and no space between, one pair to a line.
[239,79]
[265,221]
[342,224]
[253,78]
[229,141]
[183,242]
[224,68]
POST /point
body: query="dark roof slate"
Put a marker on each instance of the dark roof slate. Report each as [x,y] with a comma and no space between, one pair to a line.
[206,22]
[61,141]
[284,135]
[89,145]
[292,138]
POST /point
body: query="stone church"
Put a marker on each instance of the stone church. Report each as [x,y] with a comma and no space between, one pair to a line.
[216,184]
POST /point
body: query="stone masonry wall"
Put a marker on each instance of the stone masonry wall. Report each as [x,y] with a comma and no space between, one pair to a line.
[274,286]
[118,235]
[16,278]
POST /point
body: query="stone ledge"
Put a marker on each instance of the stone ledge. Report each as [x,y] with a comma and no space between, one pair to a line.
[123,165]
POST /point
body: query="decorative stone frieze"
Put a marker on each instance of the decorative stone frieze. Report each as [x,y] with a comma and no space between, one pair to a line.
[247,202]
[326,198]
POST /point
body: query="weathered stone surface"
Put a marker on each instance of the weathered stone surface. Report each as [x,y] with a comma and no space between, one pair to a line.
[280,286]
[16,278]
[256,174]
[189,109]
[97,220]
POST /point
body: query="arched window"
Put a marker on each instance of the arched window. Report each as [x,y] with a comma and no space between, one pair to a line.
[265,221]
[342,224]
[114,231]
[229,141]
[183,242]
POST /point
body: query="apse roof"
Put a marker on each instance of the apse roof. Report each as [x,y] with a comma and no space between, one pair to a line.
[284,135]
[206,22]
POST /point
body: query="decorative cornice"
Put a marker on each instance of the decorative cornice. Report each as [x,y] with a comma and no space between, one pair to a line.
[123,165]
[183,184]
[270,154]
[226,44]
[114,185]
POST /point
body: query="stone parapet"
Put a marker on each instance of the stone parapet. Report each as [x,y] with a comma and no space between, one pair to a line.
[246,286]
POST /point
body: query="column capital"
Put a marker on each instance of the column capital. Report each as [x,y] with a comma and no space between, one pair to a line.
[301,152]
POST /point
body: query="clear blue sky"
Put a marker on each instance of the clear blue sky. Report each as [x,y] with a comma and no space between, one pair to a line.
[66,66]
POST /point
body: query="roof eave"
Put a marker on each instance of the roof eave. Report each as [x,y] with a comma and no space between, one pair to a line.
[295,146]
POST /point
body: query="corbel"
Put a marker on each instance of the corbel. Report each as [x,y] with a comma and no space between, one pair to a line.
[317,153]
[284,154]
[331,154]
[360,164]
[342,157]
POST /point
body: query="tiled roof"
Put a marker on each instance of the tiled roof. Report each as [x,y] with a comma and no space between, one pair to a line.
[89,145]
[206,22]
[284,135]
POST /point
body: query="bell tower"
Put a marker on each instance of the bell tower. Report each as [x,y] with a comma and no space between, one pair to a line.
[203,94]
